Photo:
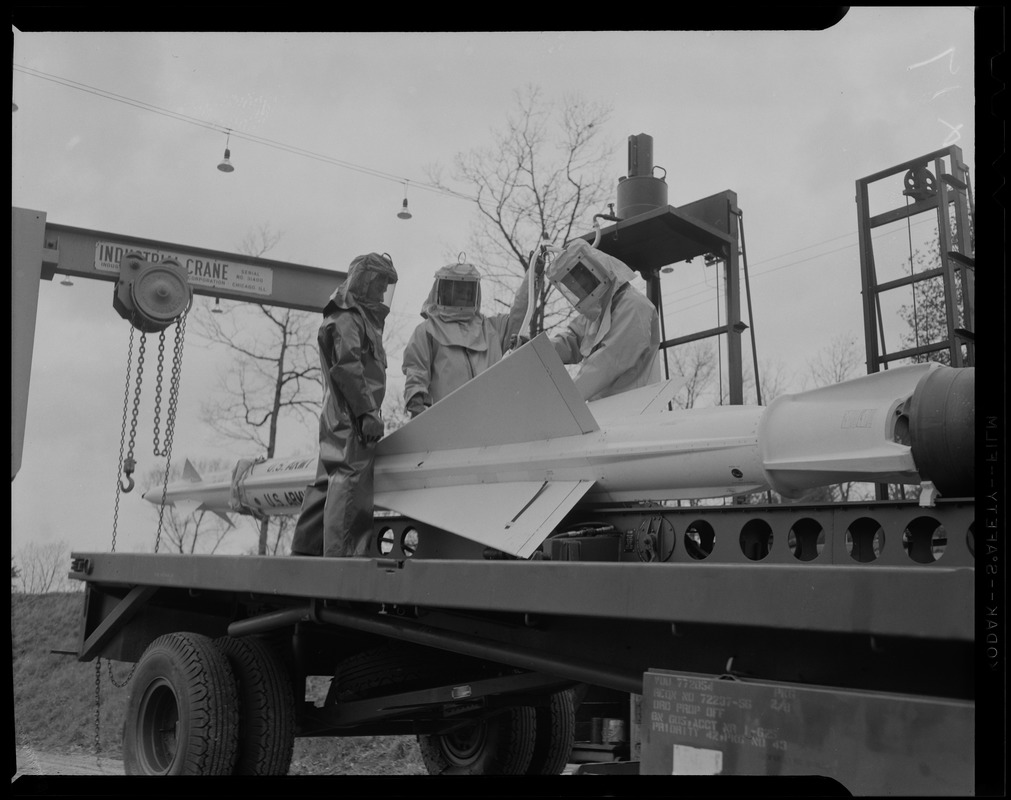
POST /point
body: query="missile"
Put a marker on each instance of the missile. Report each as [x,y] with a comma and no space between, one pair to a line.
[505,457]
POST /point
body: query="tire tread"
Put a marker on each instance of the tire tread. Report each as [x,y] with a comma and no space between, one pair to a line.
[205,684]
[266,702]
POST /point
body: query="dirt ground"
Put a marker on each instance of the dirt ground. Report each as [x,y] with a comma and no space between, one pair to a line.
[33,762]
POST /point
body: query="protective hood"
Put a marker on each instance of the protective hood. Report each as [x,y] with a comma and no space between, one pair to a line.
[587,277]
[453,307]
[368,286]
[455,294]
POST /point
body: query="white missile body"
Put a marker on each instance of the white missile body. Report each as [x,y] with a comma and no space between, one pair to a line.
[505,457]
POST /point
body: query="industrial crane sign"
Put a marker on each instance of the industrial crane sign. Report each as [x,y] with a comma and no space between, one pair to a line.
[210,273]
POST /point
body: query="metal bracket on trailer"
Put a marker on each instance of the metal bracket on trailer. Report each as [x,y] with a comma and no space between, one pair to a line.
[127,608]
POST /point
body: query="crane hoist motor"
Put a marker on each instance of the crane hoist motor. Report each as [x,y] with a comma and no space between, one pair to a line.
[151,295]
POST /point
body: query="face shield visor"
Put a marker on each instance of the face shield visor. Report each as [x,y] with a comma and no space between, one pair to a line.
[370,286]
[582,282]
[457,293]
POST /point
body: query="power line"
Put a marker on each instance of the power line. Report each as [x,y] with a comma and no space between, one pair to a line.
[295,150]
[705,286]
[238,134]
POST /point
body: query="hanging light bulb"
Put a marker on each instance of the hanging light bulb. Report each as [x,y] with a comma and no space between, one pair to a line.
[225,165]
[404,213]
[217,306]
[66,281]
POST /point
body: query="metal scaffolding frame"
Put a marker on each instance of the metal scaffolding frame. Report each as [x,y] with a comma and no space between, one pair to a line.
[669,235]
[947,192]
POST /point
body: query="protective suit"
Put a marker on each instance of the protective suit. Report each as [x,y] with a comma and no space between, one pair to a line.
[336,514]
[455,342]
[616,337]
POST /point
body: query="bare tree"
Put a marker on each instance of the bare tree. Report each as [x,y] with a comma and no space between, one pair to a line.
[275,374]
[544,175]
[837,362]
[43,568]
[199,531]
[926,316]
[776,379]
[695,363]
[284,527]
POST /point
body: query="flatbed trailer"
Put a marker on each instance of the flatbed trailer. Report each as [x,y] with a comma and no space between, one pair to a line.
[588,643]
[833,640]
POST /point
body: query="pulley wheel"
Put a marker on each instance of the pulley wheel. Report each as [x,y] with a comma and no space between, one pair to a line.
[160,294]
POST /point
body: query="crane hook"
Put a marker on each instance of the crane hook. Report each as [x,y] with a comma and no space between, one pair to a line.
[129,465]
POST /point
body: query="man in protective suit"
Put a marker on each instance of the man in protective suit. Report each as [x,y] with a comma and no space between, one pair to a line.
[615,339]
[336,514]
[455,342]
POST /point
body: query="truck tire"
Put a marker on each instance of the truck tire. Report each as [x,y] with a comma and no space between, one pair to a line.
[266,707]
[182,713]
[499,745]
[556,733]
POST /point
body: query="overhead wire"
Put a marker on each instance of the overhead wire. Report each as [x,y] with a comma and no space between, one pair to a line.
[705,287]
[675,305]
[239,134]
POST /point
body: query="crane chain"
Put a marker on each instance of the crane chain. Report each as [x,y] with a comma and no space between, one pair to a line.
[157,393]
[170,420]
[98,712]
[122,435]
[129,465]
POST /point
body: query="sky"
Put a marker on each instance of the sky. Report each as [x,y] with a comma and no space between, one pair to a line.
[787,119]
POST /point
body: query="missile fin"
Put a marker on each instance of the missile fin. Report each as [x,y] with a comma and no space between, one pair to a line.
[645,400]
[527,396]
[512,517]
[223,516]
[190,472]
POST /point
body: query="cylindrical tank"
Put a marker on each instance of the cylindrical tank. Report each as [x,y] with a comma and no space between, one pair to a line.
[640,192]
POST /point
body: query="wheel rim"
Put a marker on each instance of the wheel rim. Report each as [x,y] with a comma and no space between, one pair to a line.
[158,727]
[463,747]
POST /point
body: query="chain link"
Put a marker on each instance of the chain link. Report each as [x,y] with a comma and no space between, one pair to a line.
[157,393]
[126,680]
[115,526]
[170,422]
[98,711]
[136,394]
[122,435]
[177,363]
[98,700]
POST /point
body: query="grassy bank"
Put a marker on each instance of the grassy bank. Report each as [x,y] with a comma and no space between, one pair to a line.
[56,702]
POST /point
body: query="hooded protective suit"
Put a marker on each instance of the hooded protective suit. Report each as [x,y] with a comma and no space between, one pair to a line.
[616,337]
[455,342]
[336,514]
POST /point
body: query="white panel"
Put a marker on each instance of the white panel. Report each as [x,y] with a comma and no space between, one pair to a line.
[696,761]
[527,396]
